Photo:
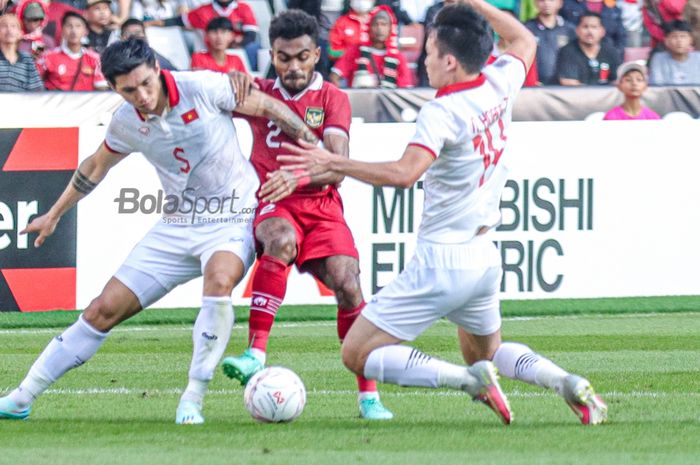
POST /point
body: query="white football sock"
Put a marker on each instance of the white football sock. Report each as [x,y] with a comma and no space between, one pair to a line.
[71,349]
[518,361]
[210,336]
[406,366]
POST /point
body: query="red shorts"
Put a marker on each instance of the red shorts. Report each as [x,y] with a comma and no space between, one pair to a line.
[318,222]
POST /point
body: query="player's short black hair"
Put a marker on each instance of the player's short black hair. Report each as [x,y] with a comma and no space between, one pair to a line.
[124,56]
[220,22]
[677,25]
[73,14]
[589,14]
[464,33]
[291,24]
[132,22]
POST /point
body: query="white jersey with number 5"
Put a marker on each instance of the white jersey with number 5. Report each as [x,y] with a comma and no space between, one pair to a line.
[465,130]
[193,146]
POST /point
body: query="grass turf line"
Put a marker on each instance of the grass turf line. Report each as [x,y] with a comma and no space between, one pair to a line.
[510,308]
[645,366]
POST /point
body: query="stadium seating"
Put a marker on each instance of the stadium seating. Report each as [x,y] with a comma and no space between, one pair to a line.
[263,15]
[169,42]
[637,53]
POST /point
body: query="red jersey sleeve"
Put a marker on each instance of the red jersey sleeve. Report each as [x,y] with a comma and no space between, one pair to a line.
[404,77]
[338,111]
[532,79]
[245,12]
[198,61]
[346,65]
[98,79]
[197,18]
[336,38]
[236,64]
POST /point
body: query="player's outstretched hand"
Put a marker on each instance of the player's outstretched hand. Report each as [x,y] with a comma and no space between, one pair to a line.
[45,225]
[242,84]
[308,157]
[279,185]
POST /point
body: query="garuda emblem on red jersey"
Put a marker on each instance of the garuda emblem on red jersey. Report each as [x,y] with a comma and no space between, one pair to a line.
[314,117]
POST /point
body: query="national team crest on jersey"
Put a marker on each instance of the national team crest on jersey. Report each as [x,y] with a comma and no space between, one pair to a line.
[190,116]
[314,117]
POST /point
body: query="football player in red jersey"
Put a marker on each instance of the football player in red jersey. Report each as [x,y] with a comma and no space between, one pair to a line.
[300,219]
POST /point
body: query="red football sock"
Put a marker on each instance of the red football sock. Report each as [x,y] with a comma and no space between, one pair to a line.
[345,320]
[269,288]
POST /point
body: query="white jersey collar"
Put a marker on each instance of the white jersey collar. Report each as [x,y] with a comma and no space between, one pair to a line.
[315,84]
[224,11]
[73,55]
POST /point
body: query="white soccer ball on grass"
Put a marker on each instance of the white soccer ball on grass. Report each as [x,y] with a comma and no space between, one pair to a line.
[275,395]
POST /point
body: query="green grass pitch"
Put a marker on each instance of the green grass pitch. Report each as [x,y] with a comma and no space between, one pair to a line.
[119,408]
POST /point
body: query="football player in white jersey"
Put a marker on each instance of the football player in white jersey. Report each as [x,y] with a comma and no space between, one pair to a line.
[182,124]
[455,273]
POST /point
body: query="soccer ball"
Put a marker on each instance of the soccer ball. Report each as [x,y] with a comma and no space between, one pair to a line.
[275,395]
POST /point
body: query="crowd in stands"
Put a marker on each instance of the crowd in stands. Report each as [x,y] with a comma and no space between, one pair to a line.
[55,44]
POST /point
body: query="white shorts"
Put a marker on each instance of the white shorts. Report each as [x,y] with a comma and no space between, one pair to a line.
[457,281]
[173,254]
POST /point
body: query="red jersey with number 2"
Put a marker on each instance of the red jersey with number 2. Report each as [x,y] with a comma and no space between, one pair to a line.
[323,107]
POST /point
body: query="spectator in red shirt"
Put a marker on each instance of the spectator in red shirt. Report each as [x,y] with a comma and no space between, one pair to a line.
[353,28]
[34,41]
[376,63]
[245,27]
[71,66]
[218,38]
[656,13]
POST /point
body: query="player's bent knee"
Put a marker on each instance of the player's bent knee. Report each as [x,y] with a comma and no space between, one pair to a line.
[102,313]
[283,247]
[352,358]
[346,286]
[219,283]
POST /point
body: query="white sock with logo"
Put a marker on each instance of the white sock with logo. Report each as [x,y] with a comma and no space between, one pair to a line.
[518,361]
[406,366]
[75,346]
[210,336]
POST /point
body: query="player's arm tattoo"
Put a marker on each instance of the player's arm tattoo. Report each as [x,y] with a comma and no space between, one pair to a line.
[82,183]
[288,121]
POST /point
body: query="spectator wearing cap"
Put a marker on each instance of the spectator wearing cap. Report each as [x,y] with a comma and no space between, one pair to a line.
[631,82]
[99,19]
[32,13]
[134,28]
[552,33]
[245,26]
[588,60]
[218,38]
[376,63]
[72,66]
[610,17]
[679,64]
[17,69]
